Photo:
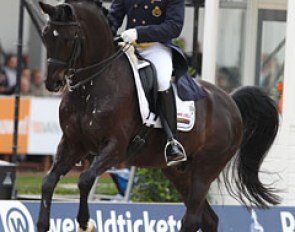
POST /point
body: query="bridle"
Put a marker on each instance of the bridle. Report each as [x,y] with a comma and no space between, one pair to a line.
[72,72]
[77,47]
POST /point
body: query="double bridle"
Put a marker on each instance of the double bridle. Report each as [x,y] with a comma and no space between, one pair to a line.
[71,72]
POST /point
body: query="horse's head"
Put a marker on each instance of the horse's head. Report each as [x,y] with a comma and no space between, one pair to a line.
[61,38]
[68,36]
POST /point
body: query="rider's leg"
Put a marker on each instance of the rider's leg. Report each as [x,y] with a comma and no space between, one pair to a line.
[167,110]
[161,57]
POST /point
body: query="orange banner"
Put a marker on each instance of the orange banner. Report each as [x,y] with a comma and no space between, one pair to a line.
[7,125]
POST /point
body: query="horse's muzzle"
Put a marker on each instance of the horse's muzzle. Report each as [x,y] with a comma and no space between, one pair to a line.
[55,80]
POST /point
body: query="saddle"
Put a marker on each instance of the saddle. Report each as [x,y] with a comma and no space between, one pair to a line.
[145,77]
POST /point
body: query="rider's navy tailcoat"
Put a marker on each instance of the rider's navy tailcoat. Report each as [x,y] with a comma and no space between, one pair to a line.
[155,21]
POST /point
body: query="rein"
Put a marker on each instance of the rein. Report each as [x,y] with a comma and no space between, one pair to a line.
[101,66]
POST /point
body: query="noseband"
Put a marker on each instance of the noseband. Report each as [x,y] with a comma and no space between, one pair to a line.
[71,71]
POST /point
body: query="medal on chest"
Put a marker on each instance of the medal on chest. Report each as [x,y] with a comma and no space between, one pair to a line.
[157,11]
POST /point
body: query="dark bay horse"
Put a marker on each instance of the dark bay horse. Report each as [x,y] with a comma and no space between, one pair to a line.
[100,116]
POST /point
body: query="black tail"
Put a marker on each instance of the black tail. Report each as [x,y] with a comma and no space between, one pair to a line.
[261,121]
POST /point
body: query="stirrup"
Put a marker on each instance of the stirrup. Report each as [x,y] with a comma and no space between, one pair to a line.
[175,142]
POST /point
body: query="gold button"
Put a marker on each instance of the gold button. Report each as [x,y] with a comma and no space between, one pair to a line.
[143,22]
[134,20]
[146,7]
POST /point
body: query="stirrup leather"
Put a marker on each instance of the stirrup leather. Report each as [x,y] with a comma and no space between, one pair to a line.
[175,142]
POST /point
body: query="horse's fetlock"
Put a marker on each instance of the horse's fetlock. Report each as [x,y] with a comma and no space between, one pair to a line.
[42,227]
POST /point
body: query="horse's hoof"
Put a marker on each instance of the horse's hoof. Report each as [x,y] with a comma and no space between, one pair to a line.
[90,227]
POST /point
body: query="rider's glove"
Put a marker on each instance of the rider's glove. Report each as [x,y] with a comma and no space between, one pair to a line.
[129,35]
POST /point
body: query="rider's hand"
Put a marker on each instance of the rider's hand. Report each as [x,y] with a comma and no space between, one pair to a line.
[129,35]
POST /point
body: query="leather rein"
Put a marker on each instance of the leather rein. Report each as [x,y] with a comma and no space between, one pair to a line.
[71,72]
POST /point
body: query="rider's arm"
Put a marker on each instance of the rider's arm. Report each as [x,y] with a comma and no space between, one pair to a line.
[117,13]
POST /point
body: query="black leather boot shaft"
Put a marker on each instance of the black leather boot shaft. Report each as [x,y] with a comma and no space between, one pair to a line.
[167,111]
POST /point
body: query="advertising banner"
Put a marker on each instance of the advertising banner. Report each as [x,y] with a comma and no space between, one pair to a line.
[7,125]
[44,130]
[39,131]
[18,216]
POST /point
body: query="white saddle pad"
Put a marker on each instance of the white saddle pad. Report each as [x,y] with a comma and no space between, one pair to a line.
[185,109]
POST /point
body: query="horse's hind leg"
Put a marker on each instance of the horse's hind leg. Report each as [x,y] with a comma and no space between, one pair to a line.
[209,219]
[193,189]
[205,219]
[62,164]
[196,208]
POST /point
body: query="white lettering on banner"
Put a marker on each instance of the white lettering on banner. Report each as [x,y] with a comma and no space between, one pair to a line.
[148,225]
[124,223]
[172,224]
[110,225]
[68,225]
[6,126]
[288,221]
[15,217]
[162,226]
[39,127]
[55,225]
[129,222]
[65,225]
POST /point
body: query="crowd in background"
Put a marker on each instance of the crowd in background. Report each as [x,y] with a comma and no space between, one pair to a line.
[31,81]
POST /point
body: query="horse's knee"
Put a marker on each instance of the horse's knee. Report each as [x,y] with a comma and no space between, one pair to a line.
[86,181]
[48,184]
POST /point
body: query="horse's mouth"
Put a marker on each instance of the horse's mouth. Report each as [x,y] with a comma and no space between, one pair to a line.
[59,85]
[57,81]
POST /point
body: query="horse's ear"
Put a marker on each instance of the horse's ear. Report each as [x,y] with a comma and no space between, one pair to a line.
[98,3]
[69,12]
[47,9]
[105,11]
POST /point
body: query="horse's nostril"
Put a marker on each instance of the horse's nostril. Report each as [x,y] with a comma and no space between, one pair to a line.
[59,83]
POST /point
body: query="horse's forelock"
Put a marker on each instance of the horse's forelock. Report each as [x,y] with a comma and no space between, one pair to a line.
[97,2]
[63,13]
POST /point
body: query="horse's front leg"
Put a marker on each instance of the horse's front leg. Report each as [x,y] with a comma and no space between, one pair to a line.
[65,160]
[102,162]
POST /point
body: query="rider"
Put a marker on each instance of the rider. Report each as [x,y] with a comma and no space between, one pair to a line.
[151,25]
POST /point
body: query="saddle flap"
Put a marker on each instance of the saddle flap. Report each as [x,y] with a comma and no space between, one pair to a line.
[148,78]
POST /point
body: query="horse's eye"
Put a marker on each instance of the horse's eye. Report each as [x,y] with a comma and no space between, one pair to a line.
[55,33]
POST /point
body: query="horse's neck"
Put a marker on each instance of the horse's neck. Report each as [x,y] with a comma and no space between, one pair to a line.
[99,43]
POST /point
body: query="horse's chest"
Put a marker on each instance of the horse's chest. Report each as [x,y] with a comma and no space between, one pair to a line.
[85,119]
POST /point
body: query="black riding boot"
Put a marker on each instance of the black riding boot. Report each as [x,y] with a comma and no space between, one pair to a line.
[167,110]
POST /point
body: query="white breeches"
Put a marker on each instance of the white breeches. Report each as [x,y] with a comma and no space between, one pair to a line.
[161,57]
